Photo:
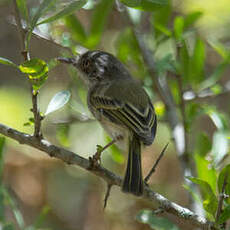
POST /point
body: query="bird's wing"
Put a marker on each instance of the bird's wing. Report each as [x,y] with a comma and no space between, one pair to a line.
[141,122]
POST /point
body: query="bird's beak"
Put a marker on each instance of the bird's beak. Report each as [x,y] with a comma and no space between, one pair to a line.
[72,61]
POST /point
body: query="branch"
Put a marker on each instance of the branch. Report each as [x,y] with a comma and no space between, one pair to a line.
[111,178]
[26,55]
[190,96]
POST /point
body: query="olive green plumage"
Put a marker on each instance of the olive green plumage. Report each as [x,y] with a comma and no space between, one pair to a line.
[123,108]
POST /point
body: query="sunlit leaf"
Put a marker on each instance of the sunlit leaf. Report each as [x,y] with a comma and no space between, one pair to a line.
[5,61]
[205,170]
[178,27]
[159,108]
[210,201]
[58,101]
[197,62]
[35,68]
[69,9]
[217,117]
[135,15]
[220,146]
[216,89]
[155,222]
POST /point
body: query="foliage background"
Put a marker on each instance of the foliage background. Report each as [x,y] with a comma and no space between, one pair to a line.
[50,195]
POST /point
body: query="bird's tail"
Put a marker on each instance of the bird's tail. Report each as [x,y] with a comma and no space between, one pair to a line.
[133,182]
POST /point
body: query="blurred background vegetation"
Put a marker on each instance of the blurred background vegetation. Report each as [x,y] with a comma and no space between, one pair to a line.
[38,192]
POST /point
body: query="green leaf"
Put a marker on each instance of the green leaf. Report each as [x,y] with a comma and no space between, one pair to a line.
[219,120]
[219,146]
[178,28]
[69,9]
[2,144]
[165,64]
[184,62]
[215,76]
[21,4]
[197,62]
[8,226]
[99,21]
[203,144]
[58,101]
[210,201]
[193,193]
[192,110]
[225,215]
[5,61]
[191,18]
[35,68]
[219,48]
[221,177]
[99,148]
[147,5]
[41,218]
[76,29]
[131,3]
[62,135]
[205,171]
[43,8]
[17,214]
[155,222]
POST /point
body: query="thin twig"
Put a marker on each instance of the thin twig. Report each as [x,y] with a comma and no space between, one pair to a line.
[155,165]
[97,156]
[73,158]
[109,186]
[26,55]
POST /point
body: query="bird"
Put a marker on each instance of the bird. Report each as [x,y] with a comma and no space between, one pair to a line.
[122,107]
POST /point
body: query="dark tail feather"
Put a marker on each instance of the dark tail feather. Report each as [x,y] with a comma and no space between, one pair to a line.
[133,182]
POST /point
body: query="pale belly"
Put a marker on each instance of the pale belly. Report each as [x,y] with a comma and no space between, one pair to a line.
[115,131]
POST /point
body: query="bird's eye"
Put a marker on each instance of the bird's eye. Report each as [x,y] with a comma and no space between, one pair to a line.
[86,65]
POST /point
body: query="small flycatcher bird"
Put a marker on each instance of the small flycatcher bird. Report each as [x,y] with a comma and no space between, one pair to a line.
[122,107]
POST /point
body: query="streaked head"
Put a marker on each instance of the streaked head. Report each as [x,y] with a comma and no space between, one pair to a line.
[99,65]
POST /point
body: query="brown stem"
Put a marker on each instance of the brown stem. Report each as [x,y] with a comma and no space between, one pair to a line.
[26,56]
